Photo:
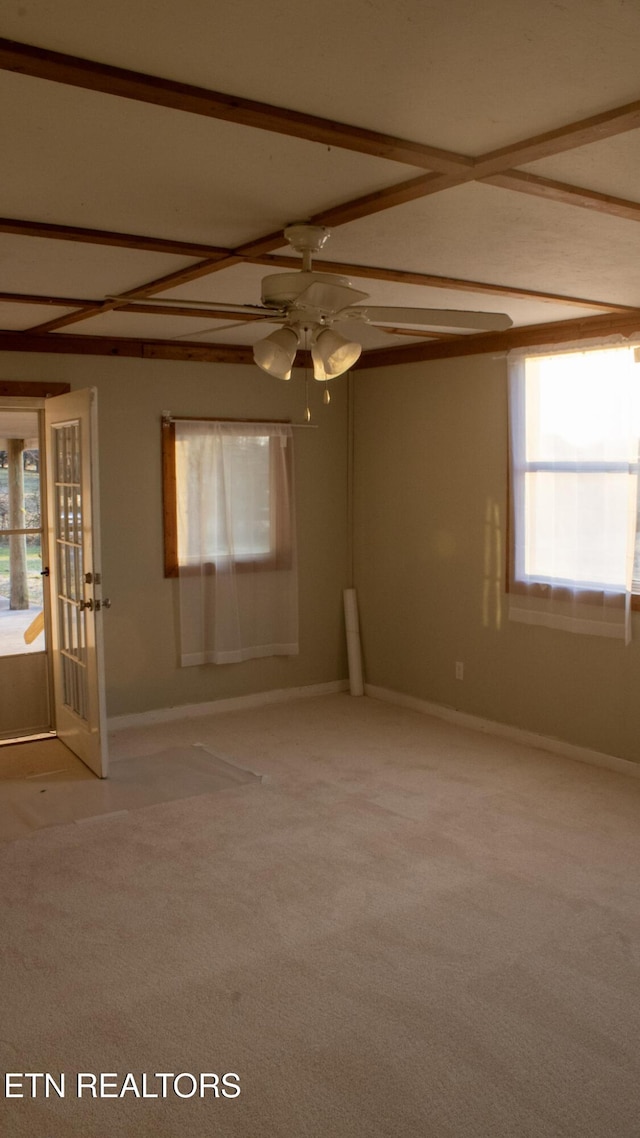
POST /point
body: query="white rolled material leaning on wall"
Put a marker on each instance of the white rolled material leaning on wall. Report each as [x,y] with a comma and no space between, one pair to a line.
[352,626]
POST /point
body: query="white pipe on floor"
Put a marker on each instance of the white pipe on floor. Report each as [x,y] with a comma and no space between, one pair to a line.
[356,685]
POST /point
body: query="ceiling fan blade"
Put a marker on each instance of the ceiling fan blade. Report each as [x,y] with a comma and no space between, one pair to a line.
[224,327]
[328,297]
[432,317]
[208,307]
[421,333]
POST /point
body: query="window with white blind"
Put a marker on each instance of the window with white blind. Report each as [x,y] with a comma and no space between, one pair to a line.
[575,432]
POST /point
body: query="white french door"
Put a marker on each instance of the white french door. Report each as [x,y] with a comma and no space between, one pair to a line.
[77,603]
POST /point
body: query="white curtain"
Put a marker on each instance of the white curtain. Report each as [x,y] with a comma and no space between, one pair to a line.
[236,541]
[574,426]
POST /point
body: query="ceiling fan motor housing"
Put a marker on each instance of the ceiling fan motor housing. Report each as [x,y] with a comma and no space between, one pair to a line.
[279,290]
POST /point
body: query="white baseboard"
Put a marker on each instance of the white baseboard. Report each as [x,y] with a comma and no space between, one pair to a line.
[515,734]
[217,706]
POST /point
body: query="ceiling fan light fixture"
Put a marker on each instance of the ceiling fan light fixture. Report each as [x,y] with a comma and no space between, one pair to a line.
[332,355]
[276,353]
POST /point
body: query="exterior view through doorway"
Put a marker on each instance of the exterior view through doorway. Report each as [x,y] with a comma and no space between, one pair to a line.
[24,663]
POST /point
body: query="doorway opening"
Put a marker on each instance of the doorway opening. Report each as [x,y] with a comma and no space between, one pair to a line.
[52,669]
[25,675]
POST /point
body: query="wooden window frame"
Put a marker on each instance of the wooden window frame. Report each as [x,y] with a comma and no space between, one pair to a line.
[280,555]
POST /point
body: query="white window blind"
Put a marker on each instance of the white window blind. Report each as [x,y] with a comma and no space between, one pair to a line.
[575,429]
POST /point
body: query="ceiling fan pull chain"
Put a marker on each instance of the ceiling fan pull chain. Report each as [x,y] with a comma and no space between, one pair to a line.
[307,413]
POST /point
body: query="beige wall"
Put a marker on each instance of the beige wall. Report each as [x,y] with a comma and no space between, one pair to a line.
[430,514]
[430,528]
[140,642]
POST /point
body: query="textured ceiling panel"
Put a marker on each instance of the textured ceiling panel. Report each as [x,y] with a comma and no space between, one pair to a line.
[483,233]
[609,167]
[61,268]
[18,317]
[117,164]
[452,73]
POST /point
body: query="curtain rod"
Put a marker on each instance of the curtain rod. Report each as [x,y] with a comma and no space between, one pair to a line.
[167,417]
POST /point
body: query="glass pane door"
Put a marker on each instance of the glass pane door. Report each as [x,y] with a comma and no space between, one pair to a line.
[69,553]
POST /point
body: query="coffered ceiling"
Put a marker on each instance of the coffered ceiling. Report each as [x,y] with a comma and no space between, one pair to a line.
[463,155]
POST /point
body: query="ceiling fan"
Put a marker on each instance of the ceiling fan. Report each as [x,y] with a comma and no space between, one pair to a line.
[309,303]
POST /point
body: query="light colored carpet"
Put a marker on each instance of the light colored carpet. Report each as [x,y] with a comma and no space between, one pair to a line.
[409,930]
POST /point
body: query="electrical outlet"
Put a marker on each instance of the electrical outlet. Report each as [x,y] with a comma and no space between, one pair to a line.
[459,670]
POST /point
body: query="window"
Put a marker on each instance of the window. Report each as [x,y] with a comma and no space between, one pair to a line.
[229,537]
[575,430]
[234,478]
